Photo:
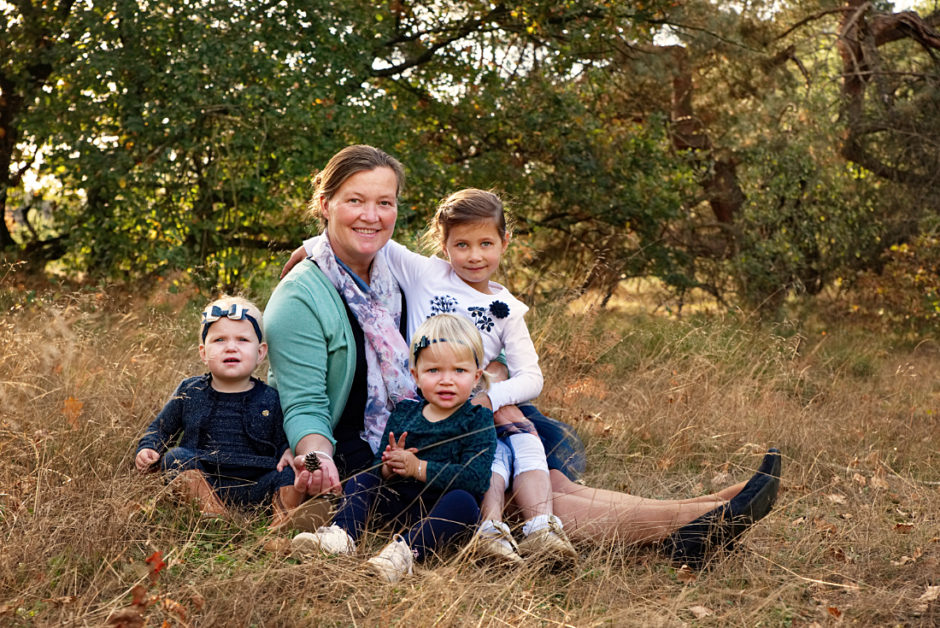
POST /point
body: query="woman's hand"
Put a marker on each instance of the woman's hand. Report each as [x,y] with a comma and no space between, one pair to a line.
[323,480]
[295,257]
[145,460]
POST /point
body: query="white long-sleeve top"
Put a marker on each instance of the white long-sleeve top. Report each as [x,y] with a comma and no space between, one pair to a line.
[432,287]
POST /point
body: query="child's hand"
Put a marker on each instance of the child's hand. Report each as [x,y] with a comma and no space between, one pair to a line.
[498,371]
[405,463]
[287,459]
[295,257]
[397,446]
[145,460]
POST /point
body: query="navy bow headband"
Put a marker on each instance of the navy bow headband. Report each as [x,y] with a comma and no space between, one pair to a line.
[235,312]
[426,342]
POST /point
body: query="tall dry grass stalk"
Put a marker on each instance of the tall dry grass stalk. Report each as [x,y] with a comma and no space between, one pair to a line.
[667,409]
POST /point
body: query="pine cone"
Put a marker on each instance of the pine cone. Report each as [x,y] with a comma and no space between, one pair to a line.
[311,463]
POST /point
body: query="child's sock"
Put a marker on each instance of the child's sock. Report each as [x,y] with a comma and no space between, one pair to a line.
[494,539]
[539,522]
[491,526]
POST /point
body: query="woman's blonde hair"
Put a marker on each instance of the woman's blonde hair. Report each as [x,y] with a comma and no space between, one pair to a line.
[467,206]
[455,330]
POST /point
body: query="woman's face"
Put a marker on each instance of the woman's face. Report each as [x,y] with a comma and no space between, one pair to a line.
[361,217]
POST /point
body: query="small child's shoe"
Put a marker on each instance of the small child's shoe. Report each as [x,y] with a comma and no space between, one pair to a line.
[327,539]
[494,541]
[550,543]
[394,562]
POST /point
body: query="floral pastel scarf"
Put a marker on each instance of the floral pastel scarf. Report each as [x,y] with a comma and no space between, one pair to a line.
[377,308]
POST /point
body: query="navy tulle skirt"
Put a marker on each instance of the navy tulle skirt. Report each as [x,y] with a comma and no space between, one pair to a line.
[563,449]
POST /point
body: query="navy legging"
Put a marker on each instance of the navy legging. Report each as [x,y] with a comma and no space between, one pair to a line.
[435,518]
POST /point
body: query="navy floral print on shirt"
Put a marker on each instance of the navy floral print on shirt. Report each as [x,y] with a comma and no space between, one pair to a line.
[444,304]
[480,318]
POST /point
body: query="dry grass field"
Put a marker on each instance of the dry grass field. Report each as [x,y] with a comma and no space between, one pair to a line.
[666,408]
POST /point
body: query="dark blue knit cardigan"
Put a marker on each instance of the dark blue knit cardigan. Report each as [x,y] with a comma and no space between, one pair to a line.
[262,439]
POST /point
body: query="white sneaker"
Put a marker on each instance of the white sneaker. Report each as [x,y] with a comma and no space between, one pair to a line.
[495,542]
[327,539]
[549,543]
[394,561]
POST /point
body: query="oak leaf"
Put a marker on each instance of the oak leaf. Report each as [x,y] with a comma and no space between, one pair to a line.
[71,410]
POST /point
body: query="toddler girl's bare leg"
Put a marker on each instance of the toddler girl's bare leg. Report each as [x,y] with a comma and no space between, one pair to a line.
[193,484]
[532,493]
[290,497]
[494,500]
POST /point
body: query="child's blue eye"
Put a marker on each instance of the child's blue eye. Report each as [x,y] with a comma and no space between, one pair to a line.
[460,370]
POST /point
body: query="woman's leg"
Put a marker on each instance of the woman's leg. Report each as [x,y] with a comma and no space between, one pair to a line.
[598,514]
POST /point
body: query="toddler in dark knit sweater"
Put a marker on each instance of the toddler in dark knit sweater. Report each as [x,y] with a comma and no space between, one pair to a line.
[430,479]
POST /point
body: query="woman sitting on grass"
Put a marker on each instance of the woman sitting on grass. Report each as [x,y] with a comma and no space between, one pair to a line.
[339,361]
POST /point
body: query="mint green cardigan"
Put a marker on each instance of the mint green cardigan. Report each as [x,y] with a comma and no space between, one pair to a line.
[312,352]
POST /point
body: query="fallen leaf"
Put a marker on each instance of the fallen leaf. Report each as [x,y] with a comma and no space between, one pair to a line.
[836,498]
[72,409]
[903,528]
[686,575]
[197,601]
[904,560]
[878,482]
[859,479]
[835,612]
[700,612]
[139,595]
[932,594]
[824,526]
[156,563]
[836,553]
[798,521]
[722,478]
[126,618]
[174,607]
